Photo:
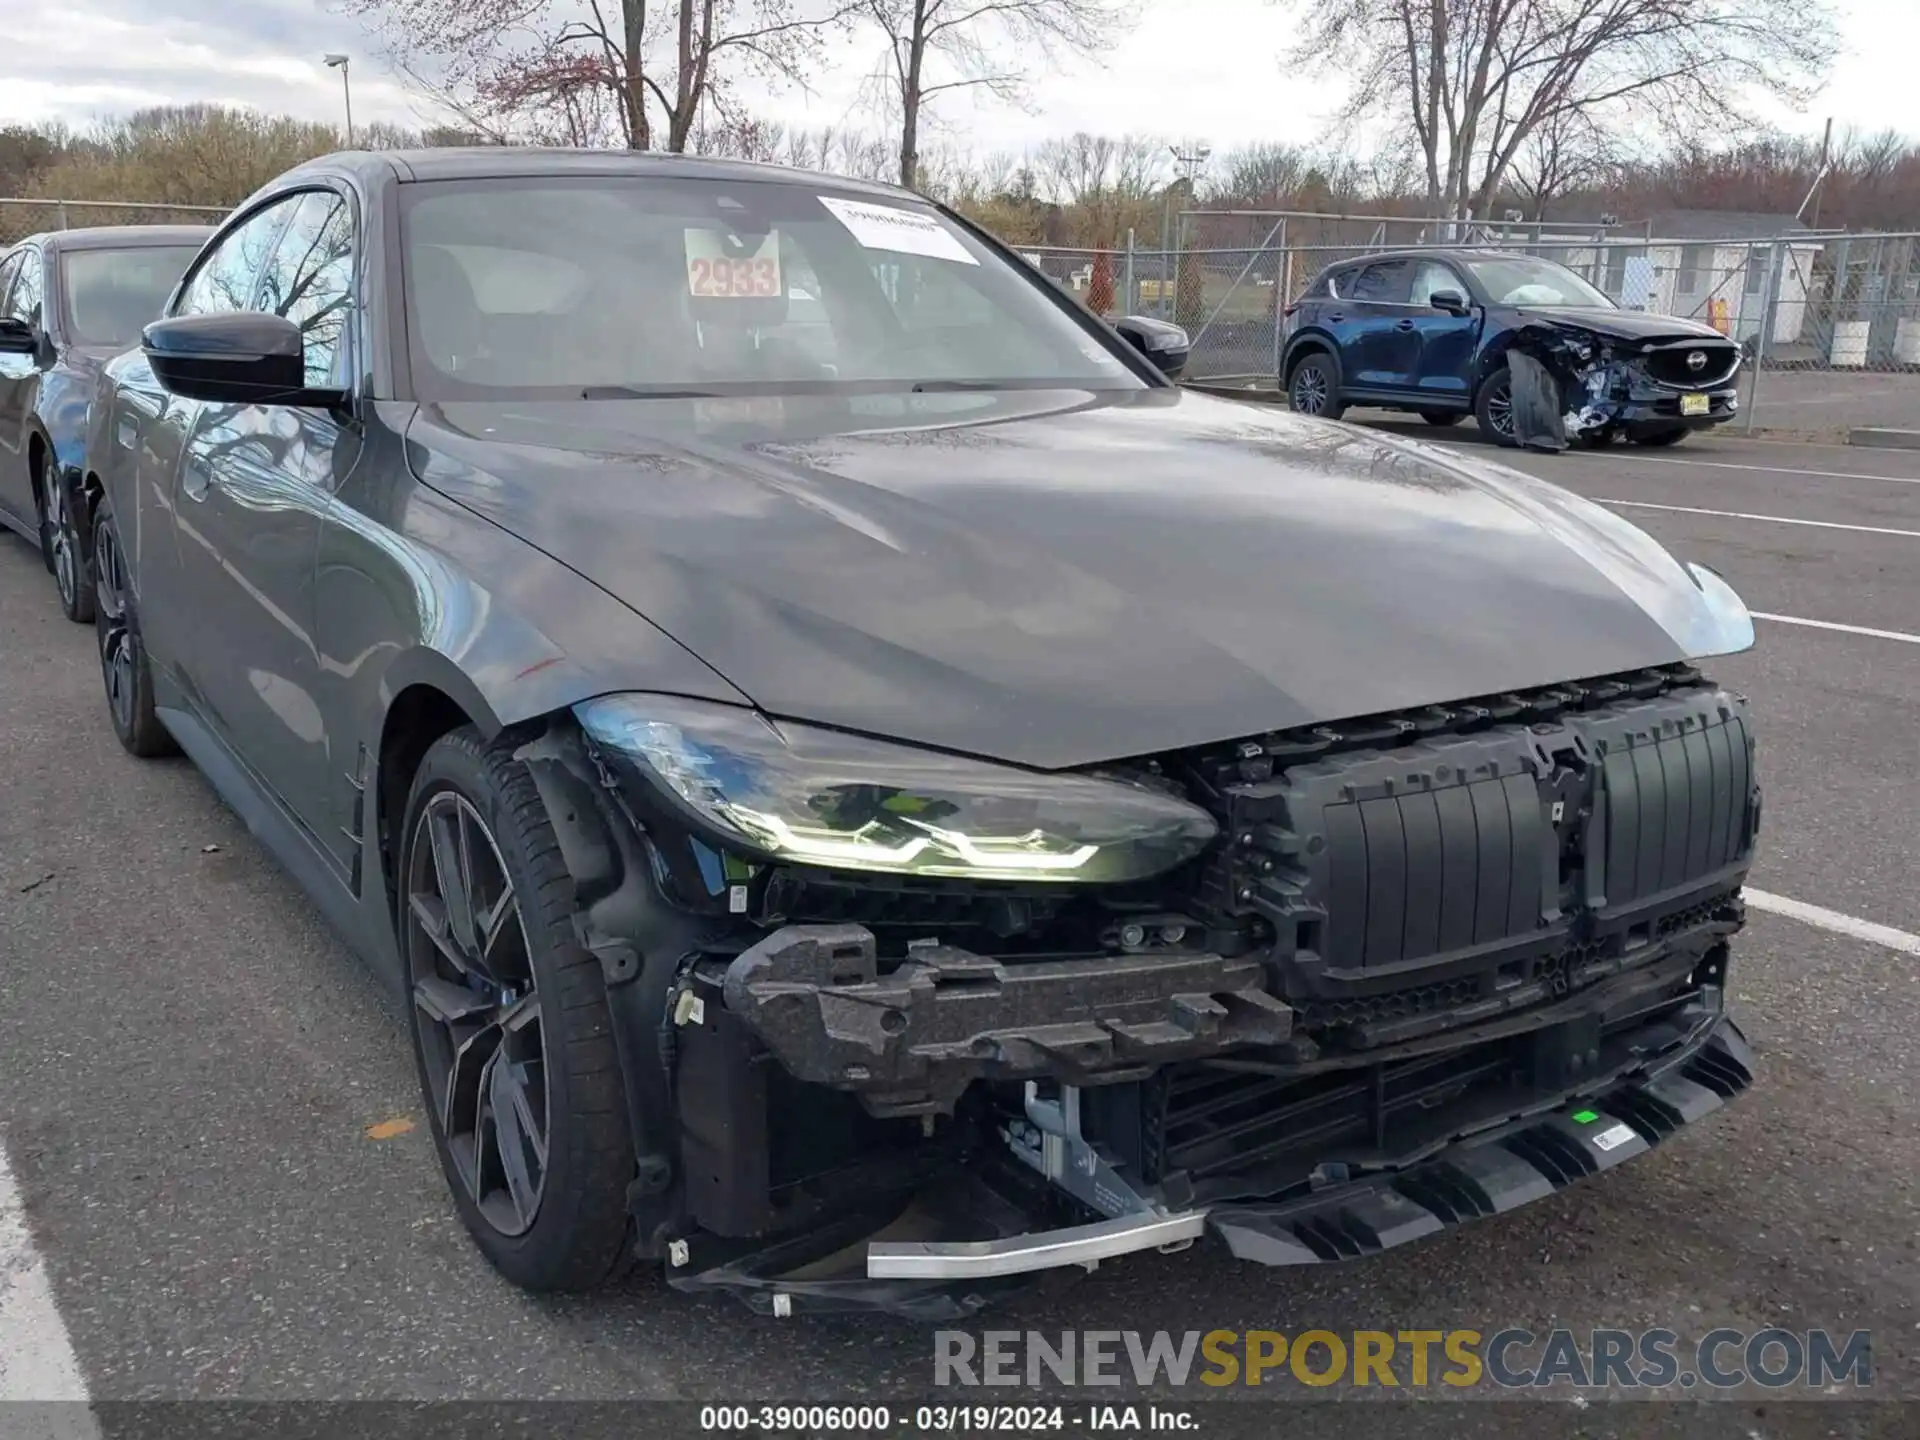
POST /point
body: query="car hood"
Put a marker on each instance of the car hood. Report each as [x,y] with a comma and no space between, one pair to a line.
[1063,578]
[1621,324]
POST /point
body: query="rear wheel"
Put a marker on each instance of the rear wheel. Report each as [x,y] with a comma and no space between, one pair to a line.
[1493,407]
[1442,418]
[510,1024]
[1661,438]
[67,555]
[123,656]
[1314,387]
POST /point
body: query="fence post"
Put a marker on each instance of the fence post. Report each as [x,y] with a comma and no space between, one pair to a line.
[60,215]
[1281,289]
[1129,302]
[1769,301]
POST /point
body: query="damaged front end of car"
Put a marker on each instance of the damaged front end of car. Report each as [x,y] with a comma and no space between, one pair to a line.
[1576,387]
[902,1030]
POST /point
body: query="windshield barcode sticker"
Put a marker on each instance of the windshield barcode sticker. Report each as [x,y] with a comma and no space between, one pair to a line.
[1613,1137]
[888,227]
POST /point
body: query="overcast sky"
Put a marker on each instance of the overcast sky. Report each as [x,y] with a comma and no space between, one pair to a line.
[1203,69]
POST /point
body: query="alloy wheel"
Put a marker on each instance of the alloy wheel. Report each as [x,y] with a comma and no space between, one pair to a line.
[478,1012]
[1310,390]
[114,627]
[1500,411]
[64,543]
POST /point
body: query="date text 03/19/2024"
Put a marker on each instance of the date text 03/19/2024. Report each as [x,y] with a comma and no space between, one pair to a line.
[944,1419]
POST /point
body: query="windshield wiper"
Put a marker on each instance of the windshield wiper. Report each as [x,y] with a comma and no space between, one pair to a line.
[640,392]
[935,387]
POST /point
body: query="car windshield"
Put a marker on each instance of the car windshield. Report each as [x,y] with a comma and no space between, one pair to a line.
[112,294]
[622,285]
[1526,280]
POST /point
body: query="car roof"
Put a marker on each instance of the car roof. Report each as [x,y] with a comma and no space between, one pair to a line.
[126,237]
[488,162]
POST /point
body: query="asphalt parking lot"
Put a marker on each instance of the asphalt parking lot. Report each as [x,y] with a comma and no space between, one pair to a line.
[193,1065]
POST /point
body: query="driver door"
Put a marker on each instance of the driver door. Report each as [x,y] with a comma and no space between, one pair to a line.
[1444,362]
[255,487]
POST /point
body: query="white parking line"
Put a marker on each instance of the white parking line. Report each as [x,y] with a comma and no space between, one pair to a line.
[1832,920]
[1762,469]
[1899,635]
[1742,515]
[37,1363]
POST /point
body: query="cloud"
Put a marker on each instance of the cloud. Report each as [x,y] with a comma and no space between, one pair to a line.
[1207,69]
[80,60]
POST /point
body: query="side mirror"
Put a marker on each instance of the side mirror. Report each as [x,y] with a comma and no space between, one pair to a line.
[1451,301]
[237,358]
[1167,346]
[17,337]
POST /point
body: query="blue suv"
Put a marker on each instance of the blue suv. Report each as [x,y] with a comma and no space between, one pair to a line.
[1430,331]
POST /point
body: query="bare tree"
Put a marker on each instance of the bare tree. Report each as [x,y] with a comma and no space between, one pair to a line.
[639,73]
[1109,184]
[988,45]
[1266,173]
[1476,79]
[1571,151]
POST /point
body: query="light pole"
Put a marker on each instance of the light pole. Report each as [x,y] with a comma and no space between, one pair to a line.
[1190,162]
[340,63]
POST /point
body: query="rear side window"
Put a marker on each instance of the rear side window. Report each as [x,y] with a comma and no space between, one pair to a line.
[1387,283]
[1326,287]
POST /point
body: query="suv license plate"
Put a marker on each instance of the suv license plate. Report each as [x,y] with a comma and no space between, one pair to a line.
[1693,404]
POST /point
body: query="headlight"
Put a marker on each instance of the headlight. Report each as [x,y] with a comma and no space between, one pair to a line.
[1729,625]
[821,797]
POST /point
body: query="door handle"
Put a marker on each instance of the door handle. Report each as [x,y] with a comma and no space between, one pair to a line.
[1336,318]
[1404,325]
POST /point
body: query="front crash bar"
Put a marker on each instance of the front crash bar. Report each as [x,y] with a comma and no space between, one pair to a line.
[909,1040]
[1043,1250]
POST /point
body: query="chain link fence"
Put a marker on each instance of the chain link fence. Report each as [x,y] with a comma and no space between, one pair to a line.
[1830,323]
[20,218]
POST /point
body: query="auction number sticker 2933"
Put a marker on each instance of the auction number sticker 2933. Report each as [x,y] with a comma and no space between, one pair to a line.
[717,269]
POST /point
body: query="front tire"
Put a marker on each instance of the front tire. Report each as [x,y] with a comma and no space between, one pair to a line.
[1314,387]
[124,669]
[1493,407]
[511,1031]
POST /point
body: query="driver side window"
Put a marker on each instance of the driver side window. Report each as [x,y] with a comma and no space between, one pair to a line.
[1432,276]
[226,277]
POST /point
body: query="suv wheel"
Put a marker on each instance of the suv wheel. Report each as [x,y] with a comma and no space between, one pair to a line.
[123,656]
[510,1026]
[1493,407]
[1314,387]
